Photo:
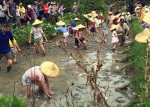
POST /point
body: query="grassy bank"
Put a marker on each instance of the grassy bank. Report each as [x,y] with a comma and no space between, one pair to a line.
[137,64]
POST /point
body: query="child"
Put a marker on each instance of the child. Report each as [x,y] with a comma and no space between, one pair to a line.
[64,30]
[115,39]
[104,30]
[38,33]
[13,51]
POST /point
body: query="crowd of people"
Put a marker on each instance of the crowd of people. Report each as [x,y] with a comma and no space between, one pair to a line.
[119,25]
[17,13]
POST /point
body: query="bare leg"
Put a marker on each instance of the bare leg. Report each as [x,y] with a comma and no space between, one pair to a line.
[27,90]
[9,65]
[36,49]
[42,48]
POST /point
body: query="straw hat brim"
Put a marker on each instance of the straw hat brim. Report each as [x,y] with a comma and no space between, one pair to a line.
[114,27]
[85,15]
[60,23]
[143,36]
[36,22]
[91,19]
[80,26]
[100,21]
[112,18]
[50,69]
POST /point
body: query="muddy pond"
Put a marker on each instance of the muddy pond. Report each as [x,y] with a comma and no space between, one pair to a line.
[71,75]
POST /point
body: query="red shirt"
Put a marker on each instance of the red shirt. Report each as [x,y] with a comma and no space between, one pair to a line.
[45,6]
[92,24]
[115,21]
[102,18]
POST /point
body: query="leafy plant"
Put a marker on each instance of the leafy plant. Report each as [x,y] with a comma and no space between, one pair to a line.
[12,101]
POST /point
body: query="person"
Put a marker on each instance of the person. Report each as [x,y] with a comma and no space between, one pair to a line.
[104,29]
[86,23]
[121,31]
[115,39]
[14,60]
[22,13]
[80,38]
[38,33]
[5,35]
[74,8]
[11,11]
[38,75]
[29,14]
[18,16]
[74,24]
[62,10]
[45,9]
[64,30]
[3,9]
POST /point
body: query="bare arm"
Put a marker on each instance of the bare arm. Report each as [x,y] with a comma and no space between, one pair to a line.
[45,88]
[44,36]
[12,41]
[17,46]
[30,38]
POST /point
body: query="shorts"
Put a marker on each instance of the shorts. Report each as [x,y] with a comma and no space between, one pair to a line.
[7,55]
[38,41]
[13,52]
[65,36]
[26,80]
[81,40]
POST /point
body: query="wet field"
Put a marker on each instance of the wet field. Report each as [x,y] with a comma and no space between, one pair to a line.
[71,75]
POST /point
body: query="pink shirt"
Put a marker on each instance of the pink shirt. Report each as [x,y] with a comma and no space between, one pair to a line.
[35,73]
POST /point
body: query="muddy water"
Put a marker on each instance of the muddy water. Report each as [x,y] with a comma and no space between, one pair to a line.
[71,76]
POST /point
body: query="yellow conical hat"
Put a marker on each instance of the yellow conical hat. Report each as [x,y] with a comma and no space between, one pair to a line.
[49,69]
[80,26]
[60,23]
[143,36]
[36,22]
[114,27]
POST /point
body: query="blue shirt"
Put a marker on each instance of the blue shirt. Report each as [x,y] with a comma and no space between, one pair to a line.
[74,24]
[104,26]
[62,29]
[4,42]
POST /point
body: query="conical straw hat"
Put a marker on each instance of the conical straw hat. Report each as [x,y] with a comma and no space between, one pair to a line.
[137,8]
[91,19]
[76,19]
[50,69]
[114,27]
[113,17]
[100,21]
[110,12]
[60,23]
[36,22]
[80,26]
[85,15]
[143,36]
[146,19]
[93,14]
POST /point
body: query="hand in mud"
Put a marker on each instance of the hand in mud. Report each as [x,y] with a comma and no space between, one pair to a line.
[46,40]
[49,96]
[51,92]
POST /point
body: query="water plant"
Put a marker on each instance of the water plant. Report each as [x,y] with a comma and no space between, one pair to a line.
[12,101]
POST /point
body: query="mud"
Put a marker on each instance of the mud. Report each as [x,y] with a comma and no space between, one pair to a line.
[71,76]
